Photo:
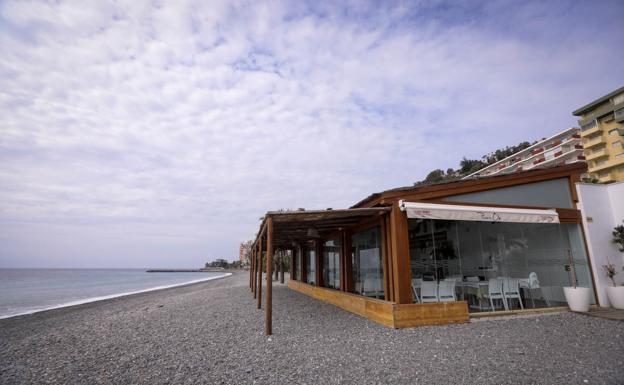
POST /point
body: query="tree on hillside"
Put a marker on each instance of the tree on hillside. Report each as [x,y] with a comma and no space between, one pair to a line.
[469,166]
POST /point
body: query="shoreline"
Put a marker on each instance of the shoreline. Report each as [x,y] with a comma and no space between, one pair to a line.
[112,296]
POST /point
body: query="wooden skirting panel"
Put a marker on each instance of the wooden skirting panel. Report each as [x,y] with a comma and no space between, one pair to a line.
[388,313]
[439,313]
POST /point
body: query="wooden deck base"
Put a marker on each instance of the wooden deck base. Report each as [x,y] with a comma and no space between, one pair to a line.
[606,312]
[388,313]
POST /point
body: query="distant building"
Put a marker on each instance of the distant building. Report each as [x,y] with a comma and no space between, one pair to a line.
[602,130]
[242,252]
[560,149]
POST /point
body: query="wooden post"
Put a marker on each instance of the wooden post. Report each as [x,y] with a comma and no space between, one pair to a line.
[399,242]
[348,263]
[387,276]
[388,249]
[318,250]
[281,266]
[259,279]
[277,259]
[268,323]
[343,285]
[253,272]
[302,268]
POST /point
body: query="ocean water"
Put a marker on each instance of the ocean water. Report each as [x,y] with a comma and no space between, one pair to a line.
[25,291]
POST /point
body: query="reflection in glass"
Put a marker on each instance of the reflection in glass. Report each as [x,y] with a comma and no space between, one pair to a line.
[311,263]
[297,264]
[496,265]
[367,263]
[331,264]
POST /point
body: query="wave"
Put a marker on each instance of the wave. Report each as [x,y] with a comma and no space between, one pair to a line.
[105,297]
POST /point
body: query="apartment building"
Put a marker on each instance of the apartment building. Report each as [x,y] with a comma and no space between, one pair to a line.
[560,149]
[602,131]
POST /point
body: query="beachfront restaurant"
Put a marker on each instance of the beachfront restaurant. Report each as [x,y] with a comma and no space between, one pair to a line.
[436,254]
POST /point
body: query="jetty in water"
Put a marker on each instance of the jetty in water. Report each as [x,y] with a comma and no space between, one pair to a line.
[203,270]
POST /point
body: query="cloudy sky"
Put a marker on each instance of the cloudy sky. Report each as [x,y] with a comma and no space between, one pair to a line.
[157,133]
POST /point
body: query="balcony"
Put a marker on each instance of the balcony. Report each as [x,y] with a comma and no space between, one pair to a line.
[594,141]
[619,115]
[607,178]
[607,165]
[596,154]
[591,131]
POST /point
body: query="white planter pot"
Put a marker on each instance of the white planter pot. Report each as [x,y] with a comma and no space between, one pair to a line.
[578,298]
[616,296]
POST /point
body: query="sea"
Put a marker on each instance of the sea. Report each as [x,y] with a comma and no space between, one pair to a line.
[27,291]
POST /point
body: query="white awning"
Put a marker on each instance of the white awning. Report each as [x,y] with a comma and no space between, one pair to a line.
[477,213]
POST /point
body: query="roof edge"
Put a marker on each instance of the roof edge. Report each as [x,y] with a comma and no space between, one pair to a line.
[592,105]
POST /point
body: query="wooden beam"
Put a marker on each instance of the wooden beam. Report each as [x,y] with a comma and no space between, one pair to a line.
[400,255]
[268,323]
[437,191]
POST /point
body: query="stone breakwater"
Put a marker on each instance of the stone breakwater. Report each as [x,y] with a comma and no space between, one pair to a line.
[212,333]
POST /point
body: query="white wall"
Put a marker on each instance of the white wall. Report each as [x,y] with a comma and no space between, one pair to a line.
[602,208]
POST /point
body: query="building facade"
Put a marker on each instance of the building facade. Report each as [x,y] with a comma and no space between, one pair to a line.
[602,130]
[562,148]
[243,251]
[602,208]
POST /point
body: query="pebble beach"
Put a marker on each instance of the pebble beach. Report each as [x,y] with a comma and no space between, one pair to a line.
[212,333]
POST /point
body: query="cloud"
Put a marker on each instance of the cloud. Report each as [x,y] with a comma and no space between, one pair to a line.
[157,133]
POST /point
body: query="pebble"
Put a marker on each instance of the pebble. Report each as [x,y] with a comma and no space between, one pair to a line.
[212,333]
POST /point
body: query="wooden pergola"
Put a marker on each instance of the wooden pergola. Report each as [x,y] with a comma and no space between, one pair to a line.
[305,232]
[285,230]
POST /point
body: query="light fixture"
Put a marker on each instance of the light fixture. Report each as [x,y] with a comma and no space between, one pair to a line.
[313,233]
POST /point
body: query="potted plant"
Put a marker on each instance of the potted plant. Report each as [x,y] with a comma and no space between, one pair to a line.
[578,298]
[615,293]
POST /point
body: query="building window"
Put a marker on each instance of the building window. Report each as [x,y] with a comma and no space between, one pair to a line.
[311,263]
[613,132]
[297,264]
[331,264]
[588,125]
[367,265]
[616,144]
[467,260]
[618,99]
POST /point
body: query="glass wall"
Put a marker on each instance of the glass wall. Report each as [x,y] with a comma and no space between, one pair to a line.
[331,264]
[297,264]
[367,263]
[310,263]
[494,266]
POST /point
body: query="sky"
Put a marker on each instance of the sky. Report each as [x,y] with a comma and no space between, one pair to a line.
[157,133]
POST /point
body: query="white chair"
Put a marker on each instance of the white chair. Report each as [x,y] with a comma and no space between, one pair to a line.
[456,278]
[429,291]
[495,291]
[534,284]
[416,284]
[472,279]
[446,290]
[511,290]
[336,283]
